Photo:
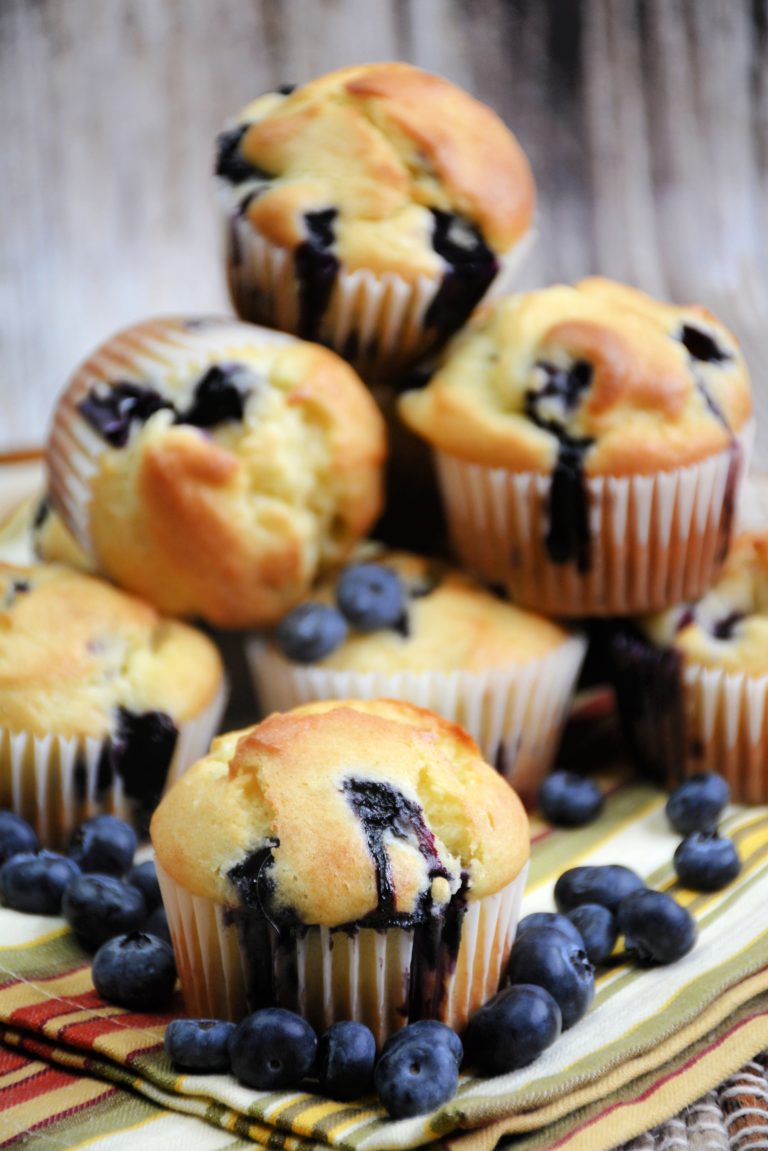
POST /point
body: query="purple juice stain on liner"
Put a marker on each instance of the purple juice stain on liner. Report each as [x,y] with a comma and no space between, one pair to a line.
[268,938]
[650,700]
[567,538]
[472,267]
[139,752]
[316,270]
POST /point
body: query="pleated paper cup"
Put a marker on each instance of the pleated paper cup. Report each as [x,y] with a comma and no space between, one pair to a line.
[377,322]
[727,730]
[515,714]
[230,965]
[55,781]
[654,540]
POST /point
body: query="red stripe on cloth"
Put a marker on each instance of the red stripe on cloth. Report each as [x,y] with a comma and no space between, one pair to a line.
[659,1083]
[40,1083]
[84,1033]
[41,980]
[36,1015]
[67,1113]
[10,1061]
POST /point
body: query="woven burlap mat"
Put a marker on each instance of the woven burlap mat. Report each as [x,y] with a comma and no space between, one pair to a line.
[733,1117]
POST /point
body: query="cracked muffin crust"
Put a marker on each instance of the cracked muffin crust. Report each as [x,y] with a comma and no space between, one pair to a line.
[215,467]
[589,424]
[380,169]
[348,859]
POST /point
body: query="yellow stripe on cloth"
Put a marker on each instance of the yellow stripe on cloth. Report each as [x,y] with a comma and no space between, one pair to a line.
[665,1035]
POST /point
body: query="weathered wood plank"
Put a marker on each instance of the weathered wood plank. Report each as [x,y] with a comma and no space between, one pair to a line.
[646,122]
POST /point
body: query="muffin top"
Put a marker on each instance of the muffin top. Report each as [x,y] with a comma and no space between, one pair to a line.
[391,166]
[439,620]
[728,628]
[80,658]
[633,386]
[374,813]
[214,467]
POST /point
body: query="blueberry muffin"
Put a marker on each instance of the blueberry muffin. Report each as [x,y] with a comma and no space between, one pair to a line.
[102,701]
[589,442]
[371,209]
[214,467]
[692,682]
[403,627]
[347,860]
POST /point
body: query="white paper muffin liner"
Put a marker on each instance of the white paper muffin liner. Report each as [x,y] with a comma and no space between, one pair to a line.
[726,725]
[53,780]
[515,713]
[654,539]
[327,975]
[377,322]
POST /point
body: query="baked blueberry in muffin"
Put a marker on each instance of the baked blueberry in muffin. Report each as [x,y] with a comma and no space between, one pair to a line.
[370,209]
[589,442]
[346,860]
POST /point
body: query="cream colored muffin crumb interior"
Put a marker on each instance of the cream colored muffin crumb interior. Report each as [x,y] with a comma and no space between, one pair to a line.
[73,649]
[284,780]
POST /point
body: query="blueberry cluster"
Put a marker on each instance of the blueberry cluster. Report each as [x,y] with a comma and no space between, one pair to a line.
[113,906]
[369,597]
[704,860]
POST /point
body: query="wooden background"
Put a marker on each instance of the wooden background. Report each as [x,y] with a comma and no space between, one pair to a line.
[646,122]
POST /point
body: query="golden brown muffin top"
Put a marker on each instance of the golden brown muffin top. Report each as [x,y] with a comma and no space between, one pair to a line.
[225,465]
[74,650]
[637,385]
[450,623]
[728,627]
[342,812]
[381,145]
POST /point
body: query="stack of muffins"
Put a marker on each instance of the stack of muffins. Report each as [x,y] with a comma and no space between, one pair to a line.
[356,856]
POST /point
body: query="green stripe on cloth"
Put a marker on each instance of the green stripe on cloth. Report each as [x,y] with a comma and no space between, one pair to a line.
[641,1027]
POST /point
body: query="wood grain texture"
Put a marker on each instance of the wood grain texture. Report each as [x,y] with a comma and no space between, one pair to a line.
[646,122]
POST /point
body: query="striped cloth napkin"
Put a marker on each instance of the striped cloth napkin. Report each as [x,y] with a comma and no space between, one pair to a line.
[74,1070]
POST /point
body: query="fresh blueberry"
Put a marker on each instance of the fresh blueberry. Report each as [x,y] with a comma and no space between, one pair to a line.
[135,971]
[415,1077]
[431,1031]
[656,928]
[346,1054]
[597,926]
[550,919]
[16,836]
[144,876]
[36,882]
[272,1049]
[157,924]
[570,800]
[105,844]
[547,958]
[697,804]
[371,596]
[198,1044]
[512,1029]
[706,861]
[310,632]
[607,884]
[98,907]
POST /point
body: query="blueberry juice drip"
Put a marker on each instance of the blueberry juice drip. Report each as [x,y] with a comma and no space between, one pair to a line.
[260,937]
[568,538]
[436,943]
[472,267]
[648,682]
[316,271]
[139,754]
